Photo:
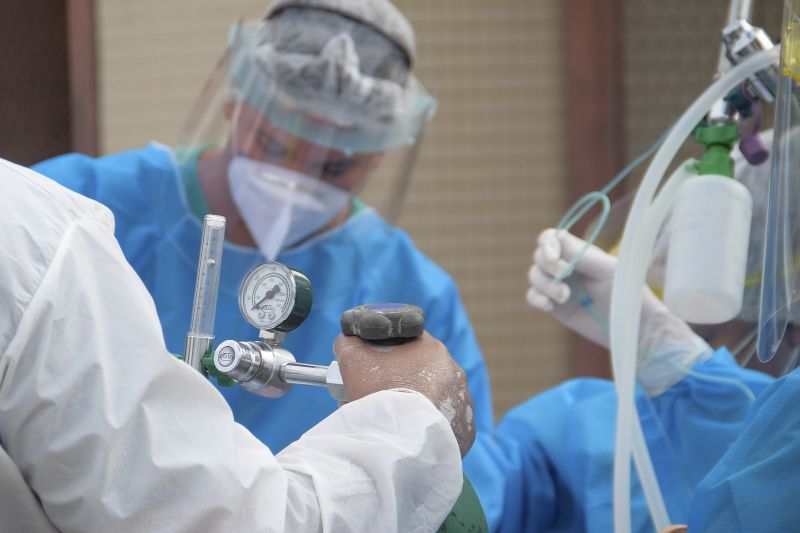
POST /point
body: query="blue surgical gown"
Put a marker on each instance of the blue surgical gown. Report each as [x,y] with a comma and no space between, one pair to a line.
[756,484]
[363,260]
[556,451]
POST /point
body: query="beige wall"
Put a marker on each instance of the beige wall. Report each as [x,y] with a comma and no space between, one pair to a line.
[153,58]
[488,178]
[491,172]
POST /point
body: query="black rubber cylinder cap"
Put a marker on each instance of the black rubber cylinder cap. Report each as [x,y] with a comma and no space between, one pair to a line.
[384,322]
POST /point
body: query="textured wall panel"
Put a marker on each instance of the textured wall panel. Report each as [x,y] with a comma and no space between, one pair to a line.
[671,53]
[154,57]
[491,173]
[34,88]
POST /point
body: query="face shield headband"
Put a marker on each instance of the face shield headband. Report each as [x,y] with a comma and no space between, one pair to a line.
[325,98]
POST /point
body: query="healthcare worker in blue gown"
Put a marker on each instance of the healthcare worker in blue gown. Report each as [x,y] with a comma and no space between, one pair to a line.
[555,452]
[755,485]
[723,439]
[306,107]
[309,108]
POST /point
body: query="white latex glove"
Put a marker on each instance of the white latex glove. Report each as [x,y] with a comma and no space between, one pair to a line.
[666,343]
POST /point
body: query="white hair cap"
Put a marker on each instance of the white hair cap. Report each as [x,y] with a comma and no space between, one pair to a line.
[380,15]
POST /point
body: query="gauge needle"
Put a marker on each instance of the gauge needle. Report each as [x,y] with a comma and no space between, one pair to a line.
[268,296]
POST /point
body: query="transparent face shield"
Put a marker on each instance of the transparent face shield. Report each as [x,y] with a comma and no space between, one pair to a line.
[780,290]
[314,115]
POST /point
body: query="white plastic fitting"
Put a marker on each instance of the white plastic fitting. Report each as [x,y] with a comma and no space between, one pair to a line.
[707,260]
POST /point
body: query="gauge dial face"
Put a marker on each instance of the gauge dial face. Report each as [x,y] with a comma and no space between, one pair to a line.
[267,295]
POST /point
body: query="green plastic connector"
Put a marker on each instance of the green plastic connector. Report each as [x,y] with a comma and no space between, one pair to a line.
[222,379]
[211,370]
[718,140]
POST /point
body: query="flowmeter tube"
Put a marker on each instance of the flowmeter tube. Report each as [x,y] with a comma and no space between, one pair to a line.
[200,338]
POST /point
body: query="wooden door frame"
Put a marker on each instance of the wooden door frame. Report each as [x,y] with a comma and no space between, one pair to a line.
[82,59]
[595,122]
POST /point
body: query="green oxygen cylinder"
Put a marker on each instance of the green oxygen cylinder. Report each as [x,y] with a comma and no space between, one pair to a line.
[467,514]
[392,324]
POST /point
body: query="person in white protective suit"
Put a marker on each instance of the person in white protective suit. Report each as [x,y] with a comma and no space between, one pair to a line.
[309,123]
[101,429]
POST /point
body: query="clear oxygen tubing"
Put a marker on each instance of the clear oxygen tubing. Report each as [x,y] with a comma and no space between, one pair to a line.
[580,208]
[626,297]
[586,202]
[733,382]
[653,219]
[656,215]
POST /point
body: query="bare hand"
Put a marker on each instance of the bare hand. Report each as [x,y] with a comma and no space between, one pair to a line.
[423,365]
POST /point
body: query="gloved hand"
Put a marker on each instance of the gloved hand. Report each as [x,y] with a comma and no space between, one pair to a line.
[666,343]
[423,365]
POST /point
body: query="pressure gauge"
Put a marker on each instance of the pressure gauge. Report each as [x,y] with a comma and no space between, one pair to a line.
[274,297]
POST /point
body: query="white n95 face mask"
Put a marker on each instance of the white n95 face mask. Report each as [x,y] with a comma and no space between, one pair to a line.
[281,207]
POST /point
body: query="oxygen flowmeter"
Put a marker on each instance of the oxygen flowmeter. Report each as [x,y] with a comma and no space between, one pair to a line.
[276,299]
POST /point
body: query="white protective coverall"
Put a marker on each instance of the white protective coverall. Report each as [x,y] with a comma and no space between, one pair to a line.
[102,430]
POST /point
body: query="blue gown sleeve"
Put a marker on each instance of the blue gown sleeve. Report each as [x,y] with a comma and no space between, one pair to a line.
[529,494]
[755,486]
[556,451]
[130,184]
[74,171]
[544,441]
[426,284]
[450,323]
[453,328]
